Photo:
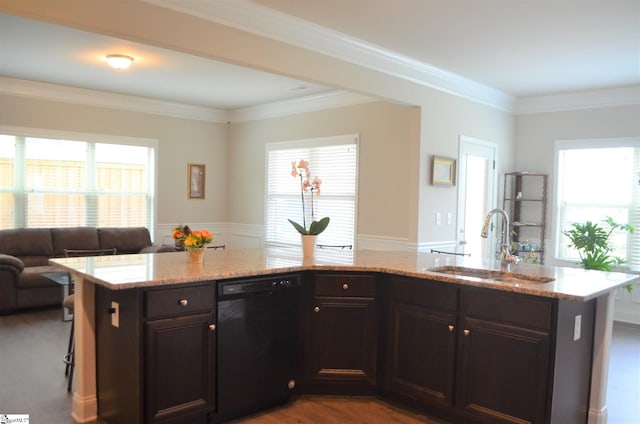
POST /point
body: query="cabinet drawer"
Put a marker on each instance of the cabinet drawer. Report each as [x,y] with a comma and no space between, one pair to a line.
[529,311]
[345,285]
[179,301]
[424,293]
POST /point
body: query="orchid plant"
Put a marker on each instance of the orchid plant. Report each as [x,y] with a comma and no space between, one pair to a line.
[308,184]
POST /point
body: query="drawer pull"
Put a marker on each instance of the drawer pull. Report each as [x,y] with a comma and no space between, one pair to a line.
[451,328]
[316,309]
[345,286]
[183,302]
[212,327]
[466,332]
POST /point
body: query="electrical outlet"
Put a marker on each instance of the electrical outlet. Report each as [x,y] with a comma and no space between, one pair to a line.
[438,218]
[577,324]
[449,218]
[115,315]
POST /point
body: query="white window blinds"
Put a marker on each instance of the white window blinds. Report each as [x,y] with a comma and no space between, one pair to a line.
[61,183]
[596,180]
[334,161]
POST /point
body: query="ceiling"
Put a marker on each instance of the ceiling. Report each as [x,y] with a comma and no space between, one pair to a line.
[521,48]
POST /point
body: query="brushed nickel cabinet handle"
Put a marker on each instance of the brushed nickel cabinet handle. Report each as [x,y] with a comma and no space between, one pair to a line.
[316,309]
[466,332]
[212,327]
[451,328]
[183,302]
[345,286]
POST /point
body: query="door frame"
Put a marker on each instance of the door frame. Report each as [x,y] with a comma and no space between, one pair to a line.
[465,146]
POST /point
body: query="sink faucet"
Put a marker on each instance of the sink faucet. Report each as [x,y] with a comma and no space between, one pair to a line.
[506,258]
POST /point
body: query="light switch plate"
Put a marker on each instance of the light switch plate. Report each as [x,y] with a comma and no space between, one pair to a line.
[115,315]
[577,324]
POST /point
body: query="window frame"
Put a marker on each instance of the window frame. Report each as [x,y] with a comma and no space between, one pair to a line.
[103,139]
[310,143]
[585,144]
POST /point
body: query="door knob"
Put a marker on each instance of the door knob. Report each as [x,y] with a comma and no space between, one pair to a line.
[316,309]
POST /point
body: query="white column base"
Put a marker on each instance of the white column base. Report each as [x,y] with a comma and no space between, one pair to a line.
[85,401]
[84,409]
[600,369]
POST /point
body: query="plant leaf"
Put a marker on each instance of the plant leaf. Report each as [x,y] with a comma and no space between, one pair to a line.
[299,227]
[317,227]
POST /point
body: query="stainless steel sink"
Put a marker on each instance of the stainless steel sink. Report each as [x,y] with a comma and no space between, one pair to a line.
[492,275]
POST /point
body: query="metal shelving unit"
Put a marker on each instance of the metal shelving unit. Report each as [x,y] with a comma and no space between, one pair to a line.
[525,200]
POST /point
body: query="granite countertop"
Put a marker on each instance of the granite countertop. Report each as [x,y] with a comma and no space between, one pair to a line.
[157,269]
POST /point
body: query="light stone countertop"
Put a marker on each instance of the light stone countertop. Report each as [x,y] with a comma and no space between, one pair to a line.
[158,269]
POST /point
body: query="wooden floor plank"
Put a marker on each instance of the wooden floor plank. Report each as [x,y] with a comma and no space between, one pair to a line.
[310,409]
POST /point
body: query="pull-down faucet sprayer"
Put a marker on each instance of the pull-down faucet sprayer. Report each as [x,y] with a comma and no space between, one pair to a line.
[506,258]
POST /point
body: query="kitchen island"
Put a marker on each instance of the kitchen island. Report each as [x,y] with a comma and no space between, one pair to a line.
[568,288]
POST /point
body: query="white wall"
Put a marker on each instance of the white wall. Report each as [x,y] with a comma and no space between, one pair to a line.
[387,133]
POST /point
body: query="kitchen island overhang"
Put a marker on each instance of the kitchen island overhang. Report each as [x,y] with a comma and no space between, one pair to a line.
[173,269]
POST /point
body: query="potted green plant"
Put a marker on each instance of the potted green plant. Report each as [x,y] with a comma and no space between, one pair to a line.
[592,243]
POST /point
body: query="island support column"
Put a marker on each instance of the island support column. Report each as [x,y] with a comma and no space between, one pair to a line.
[85,401]
[601,349]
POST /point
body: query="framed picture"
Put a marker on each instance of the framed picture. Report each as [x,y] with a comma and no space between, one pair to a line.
[444,171]
[195,180]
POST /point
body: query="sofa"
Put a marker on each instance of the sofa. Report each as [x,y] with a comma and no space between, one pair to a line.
[25,252]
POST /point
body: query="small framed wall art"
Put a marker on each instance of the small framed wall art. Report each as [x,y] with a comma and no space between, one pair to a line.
[444,171]
[195,180]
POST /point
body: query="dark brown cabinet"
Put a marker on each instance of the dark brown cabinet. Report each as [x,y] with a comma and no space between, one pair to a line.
[503,357]
[179,354]
[340,343]
[179,375]
[158,364]
[484,356]
[468,354]
[421,341]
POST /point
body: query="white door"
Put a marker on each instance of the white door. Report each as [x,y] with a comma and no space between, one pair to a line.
[476,194]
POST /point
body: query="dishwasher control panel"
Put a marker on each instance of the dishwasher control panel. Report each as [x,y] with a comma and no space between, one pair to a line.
[259,285]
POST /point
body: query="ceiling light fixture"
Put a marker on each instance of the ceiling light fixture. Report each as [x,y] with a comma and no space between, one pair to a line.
[119,61]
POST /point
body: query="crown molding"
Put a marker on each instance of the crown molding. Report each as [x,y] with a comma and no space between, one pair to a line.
[612,97]
[316,102]
[74,95]
[66,94]
[265,22]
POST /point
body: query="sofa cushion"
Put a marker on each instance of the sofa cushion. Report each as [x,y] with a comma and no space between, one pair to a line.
[32,277]
[125,240]
[79,238]
[26,242]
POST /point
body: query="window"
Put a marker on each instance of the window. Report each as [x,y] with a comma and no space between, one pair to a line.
[47,182]
[596,179]
[334,161]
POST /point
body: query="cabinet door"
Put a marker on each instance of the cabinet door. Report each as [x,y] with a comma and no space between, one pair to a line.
[179,368]
[421,354]
[344,342]
[503,372]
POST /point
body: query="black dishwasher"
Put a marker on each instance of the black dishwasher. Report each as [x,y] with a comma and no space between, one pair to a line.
[257,331]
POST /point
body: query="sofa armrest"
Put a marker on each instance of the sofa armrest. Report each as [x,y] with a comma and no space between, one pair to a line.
[11,263]
[157,248]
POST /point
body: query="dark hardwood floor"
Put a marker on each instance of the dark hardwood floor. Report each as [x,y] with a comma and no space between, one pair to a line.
[32,380]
